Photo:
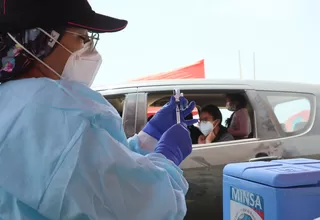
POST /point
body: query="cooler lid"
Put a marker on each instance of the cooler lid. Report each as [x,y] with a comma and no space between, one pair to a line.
[303,161]
[276,174]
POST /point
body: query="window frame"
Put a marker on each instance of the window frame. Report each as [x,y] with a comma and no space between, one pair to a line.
[309,96]
[128,117]
[214,89]
[112,96]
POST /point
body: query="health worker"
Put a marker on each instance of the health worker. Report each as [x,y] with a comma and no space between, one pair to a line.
[63,153]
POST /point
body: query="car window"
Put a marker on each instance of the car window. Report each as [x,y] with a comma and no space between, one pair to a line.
[155,100]
[225,115]
[294,115]
[291,110]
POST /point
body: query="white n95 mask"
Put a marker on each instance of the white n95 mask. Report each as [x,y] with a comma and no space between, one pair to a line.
[206,127]
[83,65]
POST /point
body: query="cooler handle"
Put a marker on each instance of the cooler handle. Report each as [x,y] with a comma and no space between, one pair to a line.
[268,158]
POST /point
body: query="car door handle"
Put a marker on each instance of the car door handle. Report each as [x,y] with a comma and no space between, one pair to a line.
[268,158]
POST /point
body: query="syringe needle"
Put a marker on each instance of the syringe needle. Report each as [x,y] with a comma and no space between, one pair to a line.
[177,100]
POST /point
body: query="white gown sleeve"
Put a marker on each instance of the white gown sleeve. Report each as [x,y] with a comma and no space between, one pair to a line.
[109,181]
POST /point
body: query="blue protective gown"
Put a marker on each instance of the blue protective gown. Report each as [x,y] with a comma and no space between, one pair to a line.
[64,155]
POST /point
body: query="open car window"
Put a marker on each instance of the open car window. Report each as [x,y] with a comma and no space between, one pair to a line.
[155,100]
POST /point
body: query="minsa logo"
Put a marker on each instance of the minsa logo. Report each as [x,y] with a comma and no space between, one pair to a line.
[247,198]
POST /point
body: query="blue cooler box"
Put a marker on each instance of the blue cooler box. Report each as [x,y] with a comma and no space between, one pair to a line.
[276,190]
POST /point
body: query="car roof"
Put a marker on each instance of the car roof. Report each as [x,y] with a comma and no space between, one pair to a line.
[254,84]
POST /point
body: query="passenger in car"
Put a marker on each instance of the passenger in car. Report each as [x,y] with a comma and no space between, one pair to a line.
[239,124]
[210,126]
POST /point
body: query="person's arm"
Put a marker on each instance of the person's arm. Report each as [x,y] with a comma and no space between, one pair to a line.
[241,118]
[109,181]
[226,137]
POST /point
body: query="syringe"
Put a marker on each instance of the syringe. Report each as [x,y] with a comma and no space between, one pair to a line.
[177,94]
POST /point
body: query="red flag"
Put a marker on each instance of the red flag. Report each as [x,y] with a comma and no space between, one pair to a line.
[194,71]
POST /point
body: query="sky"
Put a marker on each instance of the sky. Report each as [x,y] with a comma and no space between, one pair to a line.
[165,35]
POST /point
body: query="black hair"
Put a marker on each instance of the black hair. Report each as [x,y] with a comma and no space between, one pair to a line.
[241,99]
[213,110]
[198,109]
[189,117]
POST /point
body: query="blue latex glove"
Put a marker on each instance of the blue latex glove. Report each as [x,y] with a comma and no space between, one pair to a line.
[184,103]
[166,117]
[175,144]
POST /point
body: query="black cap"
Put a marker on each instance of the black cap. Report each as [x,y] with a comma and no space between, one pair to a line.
[18,15]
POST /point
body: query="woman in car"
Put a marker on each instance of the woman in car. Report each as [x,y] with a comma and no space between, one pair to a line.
[239,124]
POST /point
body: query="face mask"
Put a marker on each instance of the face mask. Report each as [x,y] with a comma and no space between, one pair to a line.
[83,65]
[230,107]
[206,127]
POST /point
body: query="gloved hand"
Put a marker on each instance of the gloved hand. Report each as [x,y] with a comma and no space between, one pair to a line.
[166,117]
[184,103]
[175,144]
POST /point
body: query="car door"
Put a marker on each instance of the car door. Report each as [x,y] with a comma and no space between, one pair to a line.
[134,109]
[295,113]
[203,168]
